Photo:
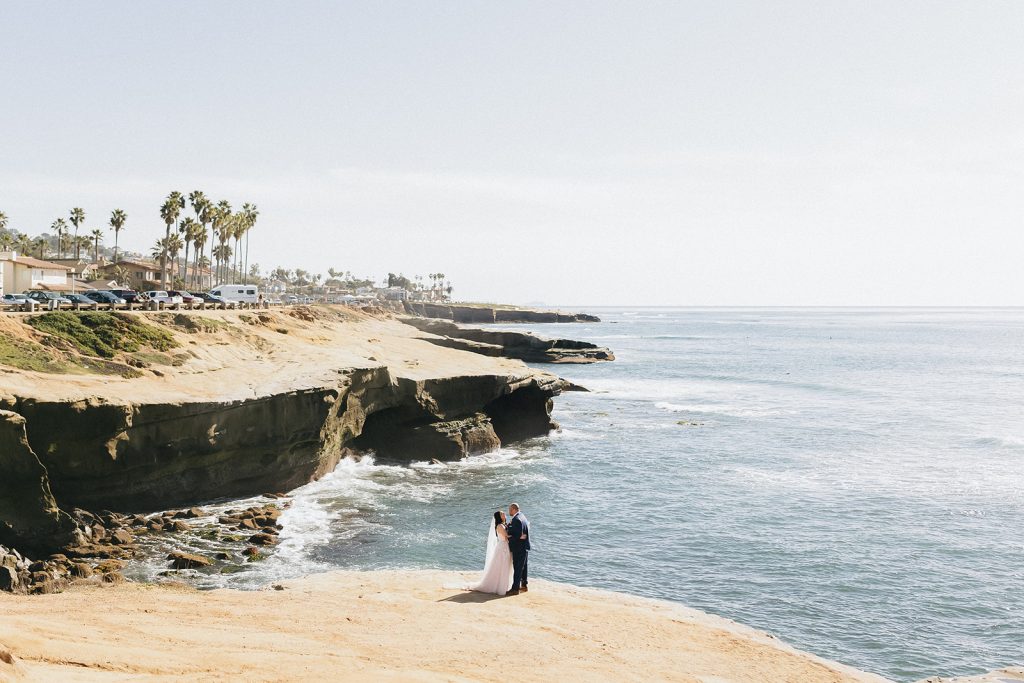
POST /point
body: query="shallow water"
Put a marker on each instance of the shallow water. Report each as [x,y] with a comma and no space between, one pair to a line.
[851,480]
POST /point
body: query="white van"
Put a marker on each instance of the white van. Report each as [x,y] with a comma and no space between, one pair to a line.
[247,293]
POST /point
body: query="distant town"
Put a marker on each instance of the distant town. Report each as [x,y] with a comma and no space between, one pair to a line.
[202,254]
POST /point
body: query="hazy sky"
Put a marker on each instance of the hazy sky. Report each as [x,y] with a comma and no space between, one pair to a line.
[575,153]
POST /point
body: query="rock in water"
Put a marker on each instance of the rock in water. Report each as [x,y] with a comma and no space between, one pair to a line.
[181,560]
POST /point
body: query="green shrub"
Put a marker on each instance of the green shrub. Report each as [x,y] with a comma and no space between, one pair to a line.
[103,334]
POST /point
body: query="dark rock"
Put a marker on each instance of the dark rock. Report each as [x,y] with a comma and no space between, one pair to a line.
[9,580]
[81,570]
[176,525]
[250,551]
[180,560]
[222,556]
[121,537]
[248,524]
[262,539]
[108,566]
[113,577]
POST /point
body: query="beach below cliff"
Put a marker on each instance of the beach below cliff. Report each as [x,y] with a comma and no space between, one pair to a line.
[384,625]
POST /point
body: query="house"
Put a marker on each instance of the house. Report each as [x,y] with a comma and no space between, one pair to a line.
[22,273]
[276,287]
[141,275]
[393,293]
[81,269]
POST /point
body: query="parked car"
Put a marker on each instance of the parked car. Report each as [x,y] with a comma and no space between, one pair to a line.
[47,298]
[15,299]
[290,299]
[163,297]
[247,293]
[212,299]
[101,296]
[185,296]
[77,298]
[129,295]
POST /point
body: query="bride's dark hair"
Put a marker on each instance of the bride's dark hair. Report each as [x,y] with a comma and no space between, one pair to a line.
[497,518]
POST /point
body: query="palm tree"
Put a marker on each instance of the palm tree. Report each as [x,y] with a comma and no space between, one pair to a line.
[97,235]
[3,220]
[251,213]
[200,204]
[222,252]
[186,228]
[39,244]
[77,218]
[174,245]
[60,226]
[24,244]
[198,241]
[80,243]
[7,240]
[221,220]
[117,220]
[169,212]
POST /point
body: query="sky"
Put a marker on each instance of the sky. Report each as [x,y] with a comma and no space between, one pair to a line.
[574,153]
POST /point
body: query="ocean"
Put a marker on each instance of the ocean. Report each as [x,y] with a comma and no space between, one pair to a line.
[850,480]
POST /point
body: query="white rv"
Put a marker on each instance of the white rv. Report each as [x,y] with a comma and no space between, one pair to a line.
[247,293]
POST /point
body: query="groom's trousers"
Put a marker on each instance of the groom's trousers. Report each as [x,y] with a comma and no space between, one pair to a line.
[520,565]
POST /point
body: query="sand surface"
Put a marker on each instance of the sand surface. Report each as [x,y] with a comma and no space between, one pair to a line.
[381,626]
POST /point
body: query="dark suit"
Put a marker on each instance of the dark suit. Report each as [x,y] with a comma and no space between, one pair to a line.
[520,548]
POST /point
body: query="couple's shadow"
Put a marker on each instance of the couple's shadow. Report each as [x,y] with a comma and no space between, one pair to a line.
[471,597]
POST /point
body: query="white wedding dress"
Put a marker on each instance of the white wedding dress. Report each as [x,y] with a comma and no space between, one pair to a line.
[497,576]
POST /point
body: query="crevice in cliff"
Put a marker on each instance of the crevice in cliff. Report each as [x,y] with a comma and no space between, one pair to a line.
[521,414]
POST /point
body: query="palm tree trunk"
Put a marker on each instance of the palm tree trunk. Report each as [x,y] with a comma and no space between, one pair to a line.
[245,268]
[115,245]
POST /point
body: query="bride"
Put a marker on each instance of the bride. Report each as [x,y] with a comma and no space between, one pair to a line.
[497,576]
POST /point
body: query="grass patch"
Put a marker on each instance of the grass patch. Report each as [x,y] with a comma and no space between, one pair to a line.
[103,334]
[26,355]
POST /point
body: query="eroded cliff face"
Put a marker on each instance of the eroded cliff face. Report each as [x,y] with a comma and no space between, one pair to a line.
[29,516]
[239,405]
[102,454]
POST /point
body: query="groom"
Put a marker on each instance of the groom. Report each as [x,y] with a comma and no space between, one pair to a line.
[519,545]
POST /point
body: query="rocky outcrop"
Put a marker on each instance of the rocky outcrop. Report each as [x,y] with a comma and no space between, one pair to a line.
[488,314]
[29,516]
[150,456]
[521,345]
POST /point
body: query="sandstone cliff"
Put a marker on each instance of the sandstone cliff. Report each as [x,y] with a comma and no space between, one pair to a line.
[524,346]
[245,403]
[482,313]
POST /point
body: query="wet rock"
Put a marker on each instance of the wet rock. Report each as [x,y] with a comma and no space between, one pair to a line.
[155,525]
[248,523]
[228,520]
[250,551]
[108,566]
[113,577]
[262,539]
[121,537]
[181,560]
[176,525]
[222,556]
